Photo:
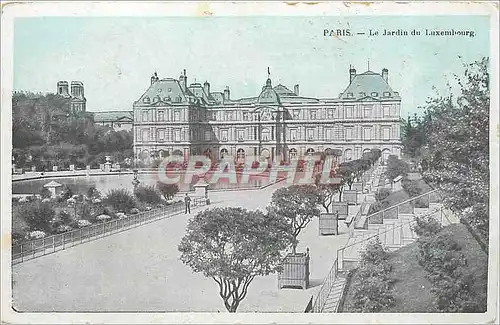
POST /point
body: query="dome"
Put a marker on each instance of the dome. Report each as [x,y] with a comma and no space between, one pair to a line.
[268,95]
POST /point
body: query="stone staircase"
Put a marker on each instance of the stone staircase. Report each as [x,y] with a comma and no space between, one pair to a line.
[333,300]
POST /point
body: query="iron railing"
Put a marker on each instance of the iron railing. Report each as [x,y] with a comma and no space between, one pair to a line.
[51,244]
[325,289]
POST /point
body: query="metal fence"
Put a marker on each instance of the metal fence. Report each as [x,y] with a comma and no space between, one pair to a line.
[51,244]
[326,287]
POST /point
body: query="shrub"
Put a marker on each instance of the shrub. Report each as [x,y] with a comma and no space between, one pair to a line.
[147,194]
[372,295]
[65,217]
[45,193]
[66,193]
[37,215]
[382,194]
[167,190]
[411,187]
[378,206]
[93,193]
[440,254]
[120,200]
[426,226]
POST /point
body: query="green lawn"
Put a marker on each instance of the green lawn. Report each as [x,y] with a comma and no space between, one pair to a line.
[412,291]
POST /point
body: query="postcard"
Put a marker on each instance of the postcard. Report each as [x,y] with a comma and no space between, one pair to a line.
[273,162]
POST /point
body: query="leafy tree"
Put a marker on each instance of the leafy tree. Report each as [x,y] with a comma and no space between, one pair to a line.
[233,246]
[395,167]
[45,193]
[297,204]
[167,190]
[456,151]
[326,192]
[37,215]
[93,193]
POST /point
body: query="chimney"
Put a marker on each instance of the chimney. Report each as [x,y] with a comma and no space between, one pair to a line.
[385,75]
[185,80]
[226,93]
[206,87]
[62,88]
[352,74]
[296,89]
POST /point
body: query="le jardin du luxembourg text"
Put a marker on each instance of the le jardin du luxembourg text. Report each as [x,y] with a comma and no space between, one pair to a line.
[399,32]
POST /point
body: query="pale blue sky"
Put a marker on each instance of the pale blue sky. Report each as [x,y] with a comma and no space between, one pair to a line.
[115,57]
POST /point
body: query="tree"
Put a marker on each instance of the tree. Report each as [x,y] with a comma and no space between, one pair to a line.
[120,200]
[233,246]
[326,192]
[395,167]
[167,190]
[297,204]
[456,152]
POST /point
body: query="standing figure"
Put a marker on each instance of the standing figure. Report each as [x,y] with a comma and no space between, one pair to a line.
[187,201]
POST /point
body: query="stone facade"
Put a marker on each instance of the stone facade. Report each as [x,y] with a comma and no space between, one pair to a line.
[172,118]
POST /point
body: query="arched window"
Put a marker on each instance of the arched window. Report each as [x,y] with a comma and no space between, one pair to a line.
[223,153]
[265,135]
[240,154]
[348,154]
[265,153]
[177,153]
[292,153]
[310,151]
[146,100]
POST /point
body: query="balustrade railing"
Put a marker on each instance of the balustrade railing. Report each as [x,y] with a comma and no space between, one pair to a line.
[47,245]
[325,289]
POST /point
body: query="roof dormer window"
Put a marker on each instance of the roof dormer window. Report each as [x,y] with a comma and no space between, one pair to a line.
[362,94]
[374,94]
[350,95]
[387,94]
[146,100]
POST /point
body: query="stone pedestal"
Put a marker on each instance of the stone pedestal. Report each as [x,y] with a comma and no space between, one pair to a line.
[54,168]
[72,168]
[54,188]
[88,167]
[201,188]
[107,167]
[33,168]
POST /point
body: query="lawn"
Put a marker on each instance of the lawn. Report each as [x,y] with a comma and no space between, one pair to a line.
[412,291]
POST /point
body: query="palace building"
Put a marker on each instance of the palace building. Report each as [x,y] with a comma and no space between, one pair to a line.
[176,118]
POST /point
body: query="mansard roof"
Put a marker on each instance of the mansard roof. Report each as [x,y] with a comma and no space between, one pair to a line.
[369,84]
[166,90]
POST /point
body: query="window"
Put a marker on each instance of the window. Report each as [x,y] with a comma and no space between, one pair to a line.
[145,135]
[208,136]
[331,114]
[161,134]
[349,133]
[387,94]
[310,134]
[228,116]
[161,115]
[223,153]
[310,151]
[293,153]
[177,115]
[386,133]
[296,113]
[374,94]
[223,135]
[329,134]
[293,134]
[368,111]
[241,135]
[367,133]
[349,111]
[386,110]
[393,110]
[177,135]
[245,116]
[240,154]
[145,116]
[312,114]
[265,135]
[146,100]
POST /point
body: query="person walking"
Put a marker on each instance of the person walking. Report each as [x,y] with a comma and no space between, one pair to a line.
[187,202]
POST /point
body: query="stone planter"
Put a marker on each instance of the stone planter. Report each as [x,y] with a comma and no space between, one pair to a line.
[295,272]
[350,197]
[328,224]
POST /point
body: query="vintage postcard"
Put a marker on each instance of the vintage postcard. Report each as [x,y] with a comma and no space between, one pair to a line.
[273,162]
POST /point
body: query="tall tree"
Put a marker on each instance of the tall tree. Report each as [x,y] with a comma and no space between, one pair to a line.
[456,152]
[298,205]
[233,246]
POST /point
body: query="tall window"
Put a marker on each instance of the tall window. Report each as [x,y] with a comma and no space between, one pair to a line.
[386,110]
[177,115]
[312,114]
[223,135]
[330,113]
[208,136]
[367,111]
[161,116]
[349,133]
[161,134]
[293,134]
[241,135]
[223,153]
[245,116]
[177,135]
[386,133]
[367,133]
[310,134]
[240,154]
[145,116]
[329,134]
[265,135]
[145,135]
[349,111]
[296,114]
[293,153]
